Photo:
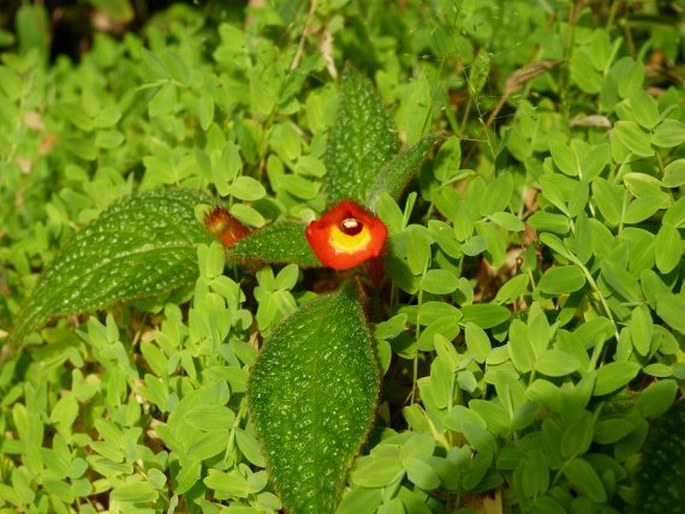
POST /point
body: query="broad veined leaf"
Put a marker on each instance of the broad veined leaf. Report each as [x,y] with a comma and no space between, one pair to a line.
[361,141]
[661,470]
[396,173]
[282,242]
[142,246]
[312,395]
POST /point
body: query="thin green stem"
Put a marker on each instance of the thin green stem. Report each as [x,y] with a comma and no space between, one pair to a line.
[612,15]
[415,364]
[593,285]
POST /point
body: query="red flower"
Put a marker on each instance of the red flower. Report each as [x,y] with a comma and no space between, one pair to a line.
[346,236]
[225,227]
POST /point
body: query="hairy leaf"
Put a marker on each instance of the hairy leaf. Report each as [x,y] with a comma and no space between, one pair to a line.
[142,246]
[312,395]
[279,243]
[361,140]
[396,173]
[661,472]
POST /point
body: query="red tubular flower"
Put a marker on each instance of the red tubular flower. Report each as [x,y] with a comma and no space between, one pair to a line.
[225,227]
[346,236]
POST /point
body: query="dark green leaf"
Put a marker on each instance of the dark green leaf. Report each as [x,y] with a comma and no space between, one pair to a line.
[611,430]
[396,173]
[659,477]
[312,395]
[577,436]
[535,473]
[585,480]
[546,505]
[142,246]
[279,243]
[361,141]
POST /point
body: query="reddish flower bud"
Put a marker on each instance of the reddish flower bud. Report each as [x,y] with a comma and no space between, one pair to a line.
[346,236]
[225,227]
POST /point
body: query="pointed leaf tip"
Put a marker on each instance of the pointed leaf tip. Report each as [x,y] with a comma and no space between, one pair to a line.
[395,174]
[282,242]
[142,246]
[312,395]
[362,139]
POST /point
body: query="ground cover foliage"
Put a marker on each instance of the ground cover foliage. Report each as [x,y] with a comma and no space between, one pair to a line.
[526,337]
